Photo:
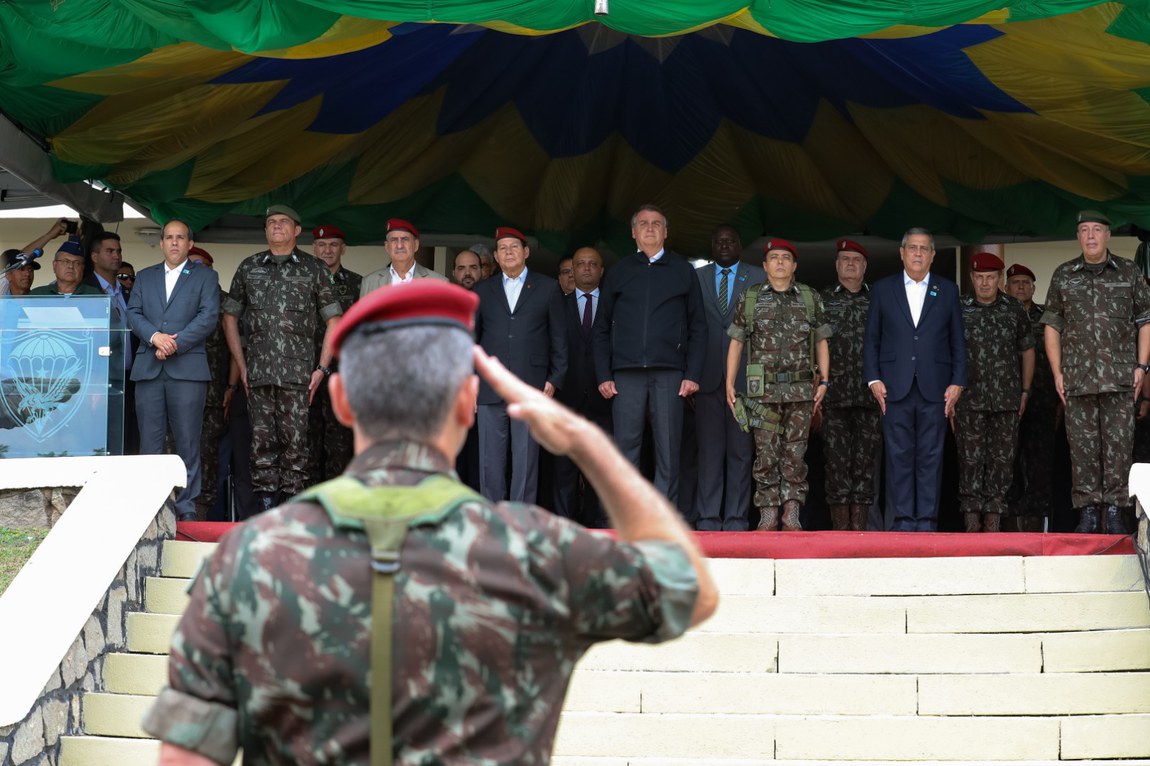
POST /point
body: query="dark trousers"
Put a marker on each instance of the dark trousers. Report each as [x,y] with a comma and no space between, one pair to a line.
[654,393]
[574,496]
[723,493]
[497,432]
[913,430]
[163,402]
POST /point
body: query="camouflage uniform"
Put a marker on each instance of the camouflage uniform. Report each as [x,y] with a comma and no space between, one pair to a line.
[780,341]
[1037,433]
[852,433]
[219,362]
[1098,309]
[280,298]
[329,441]
[986,417]
[481,655]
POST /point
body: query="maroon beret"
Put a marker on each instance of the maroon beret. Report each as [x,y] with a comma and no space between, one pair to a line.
[986,262]
[850,246]
[203,254]
[327,232]
[1018,270]
[422,302]
[503,232]
[398,224]
[780,244]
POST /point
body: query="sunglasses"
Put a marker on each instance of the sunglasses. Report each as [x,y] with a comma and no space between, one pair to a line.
[129,277]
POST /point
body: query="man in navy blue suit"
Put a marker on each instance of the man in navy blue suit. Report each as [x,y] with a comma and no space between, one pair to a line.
[174,307]
[914,361]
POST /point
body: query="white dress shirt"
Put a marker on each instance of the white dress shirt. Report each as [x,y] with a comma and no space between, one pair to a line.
[171,276]
[512,286]
[915,294]
[398,280]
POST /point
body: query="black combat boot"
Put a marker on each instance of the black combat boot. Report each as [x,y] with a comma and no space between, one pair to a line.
[768,519]
[1113,523]
[1088,521]
[840,516]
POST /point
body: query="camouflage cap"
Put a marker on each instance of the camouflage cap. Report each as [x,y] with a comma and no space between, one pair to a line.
[282,210]
[1093,216]
[423,302]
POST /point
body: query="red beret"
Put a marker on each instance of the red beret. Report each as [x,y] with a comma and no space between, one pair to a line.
[986,262]
[503,232]
[203,254]
[328,232]
[849,245]
[398,224]
[780,244]
[422,302]
[1018,270]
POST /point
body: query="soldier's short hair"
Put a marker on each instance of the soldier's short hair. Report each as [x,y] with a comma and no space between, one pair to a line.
[401,384]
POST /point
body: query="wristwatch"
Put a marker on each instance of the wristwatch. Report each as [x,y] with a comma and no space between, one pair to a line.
[324,370]
[826,383]
[1143,367]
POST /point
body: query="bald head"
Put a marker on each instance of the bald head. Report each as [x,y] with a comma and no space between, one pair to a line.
[588,266]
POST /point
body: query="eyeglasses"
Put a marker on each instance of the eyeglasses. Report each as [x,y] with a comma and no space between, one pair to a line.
[68,263]
[129,277]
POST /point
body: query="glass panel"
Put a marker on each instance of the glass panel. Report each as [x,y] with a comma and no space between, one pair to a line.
[61,376]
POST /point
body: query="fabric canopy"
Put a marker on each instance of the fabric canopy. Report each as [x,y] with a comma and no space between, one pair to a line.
[808,119]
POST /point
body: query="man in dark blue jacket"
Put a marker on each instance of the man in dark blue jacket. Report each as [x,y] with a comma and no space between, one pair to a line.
[648,344]
[914,361]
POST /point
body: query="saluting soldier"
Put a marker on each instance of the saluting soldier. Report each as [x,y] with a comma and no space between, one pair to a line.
[1098,340]
[281,292]
[852,434]
[329,441]
[783,326]
[1000,368]
[1038,427]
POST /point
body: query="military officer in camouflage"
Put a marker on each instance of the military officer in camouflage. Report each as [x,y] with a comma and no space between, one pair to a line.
[329,441]
[852,434]
[784,328]
[492,603]
[216,405]
[1038,427]
[1000,368]
[1098,341]
[281,292]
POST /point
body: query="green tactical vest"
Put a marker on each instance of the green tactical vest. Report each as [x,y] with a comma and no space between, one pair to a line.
[385,514]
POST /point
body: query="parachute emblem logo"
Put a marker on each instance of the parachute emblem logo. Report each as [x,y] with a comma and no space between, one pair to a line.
[44,373]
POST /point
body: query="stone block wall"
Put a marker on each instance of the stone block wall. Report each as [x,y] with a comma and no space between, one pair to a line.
[35,741]
[34,508]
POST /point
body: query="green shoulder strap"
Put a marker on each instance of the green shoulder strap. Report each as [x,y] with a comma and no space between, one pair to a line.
[385,514]
[749,301]
[809,302]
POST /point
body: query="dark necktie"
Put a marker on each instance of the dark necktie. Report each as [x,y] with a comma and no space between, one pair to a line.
[724,289]
[586,314]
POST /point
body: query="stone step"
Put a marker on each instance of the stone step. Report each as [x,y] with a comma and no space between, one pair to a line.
[991,613]
[847,738]
[112,751]
[115,715]
[150,633]
[863,577]
[166,595]
[135,673]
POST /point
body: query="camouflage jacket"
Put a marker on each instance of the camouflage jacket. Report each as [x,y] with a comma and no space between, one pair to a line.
[219,360]
[995,335]
[781,339]
[281,298]
[493,606]
[846,314]
[1043,384]
[1098,312]
[346,285]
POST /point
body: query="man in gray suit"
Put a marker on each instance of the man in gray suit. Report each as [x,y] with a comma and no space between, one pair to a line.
[725,451]
[401,244]
[174,307]
[519,321]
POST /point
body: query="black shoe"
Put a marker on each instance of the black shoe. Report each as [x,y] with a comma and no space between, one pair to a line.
[1088,521]
[187,516]
[1114,525]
